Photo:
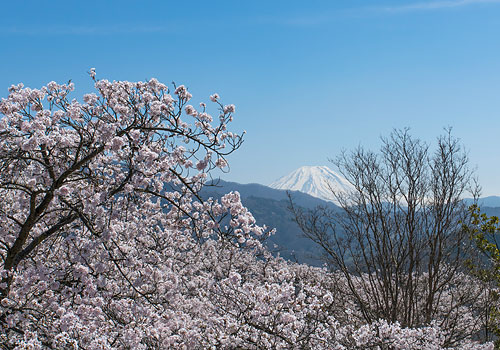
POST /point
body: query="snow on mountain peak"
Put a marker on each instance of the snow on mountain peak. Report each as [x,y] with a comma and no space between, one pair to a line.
[316,181]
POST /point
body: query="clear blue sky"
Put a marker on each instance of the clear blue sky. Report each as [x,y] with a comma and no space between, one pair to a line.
[308,78]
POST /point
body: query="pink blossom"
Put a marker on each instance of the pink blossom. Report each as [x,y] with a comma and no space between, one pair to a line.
[229,109]
[117,143]
[190,110]
[221,163]
[182,92]
[64,190]
[52,86]
[202,164]
[235,277]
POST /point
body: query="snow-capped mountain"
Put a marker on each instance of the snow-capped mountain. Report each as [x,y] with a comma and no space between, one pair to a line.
[317,181]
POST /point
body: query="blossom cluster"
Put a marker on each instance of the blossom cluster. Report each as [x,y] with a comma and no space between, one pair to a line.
[107,243]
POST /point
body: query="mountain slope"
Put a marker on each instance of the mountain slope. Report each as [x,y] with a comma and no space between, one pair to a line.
[270,207]
[317,181]
[261,191]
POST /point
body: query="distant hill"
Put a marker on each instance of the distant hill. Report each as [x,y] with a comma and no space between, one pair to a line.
[269,206]
[491,201]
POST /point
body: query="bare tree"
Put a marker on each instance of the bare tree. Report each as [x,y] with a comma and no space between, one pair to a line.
[398,237]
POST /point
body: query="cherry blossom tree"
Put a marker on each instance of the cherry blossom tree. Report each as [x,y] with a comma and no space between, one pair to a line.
[90,191]
[105,242]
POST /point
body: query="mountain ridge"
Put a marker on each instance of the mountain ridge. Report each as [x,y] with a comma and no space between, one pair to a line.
[270,207]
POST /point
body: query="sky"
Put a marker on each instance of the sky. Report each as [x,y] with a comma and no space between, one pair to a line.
[308,78]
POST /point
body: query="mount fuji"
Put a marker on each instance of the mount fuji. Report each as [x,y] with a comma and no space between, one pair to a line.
[317,181]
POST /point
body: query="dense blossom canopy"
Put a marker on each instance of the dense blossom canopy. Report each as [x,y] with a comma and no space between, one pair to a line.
[105,242]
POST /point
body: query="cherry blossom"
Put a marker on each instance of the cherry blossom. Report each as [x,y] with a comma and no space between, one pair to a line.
[106,242]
